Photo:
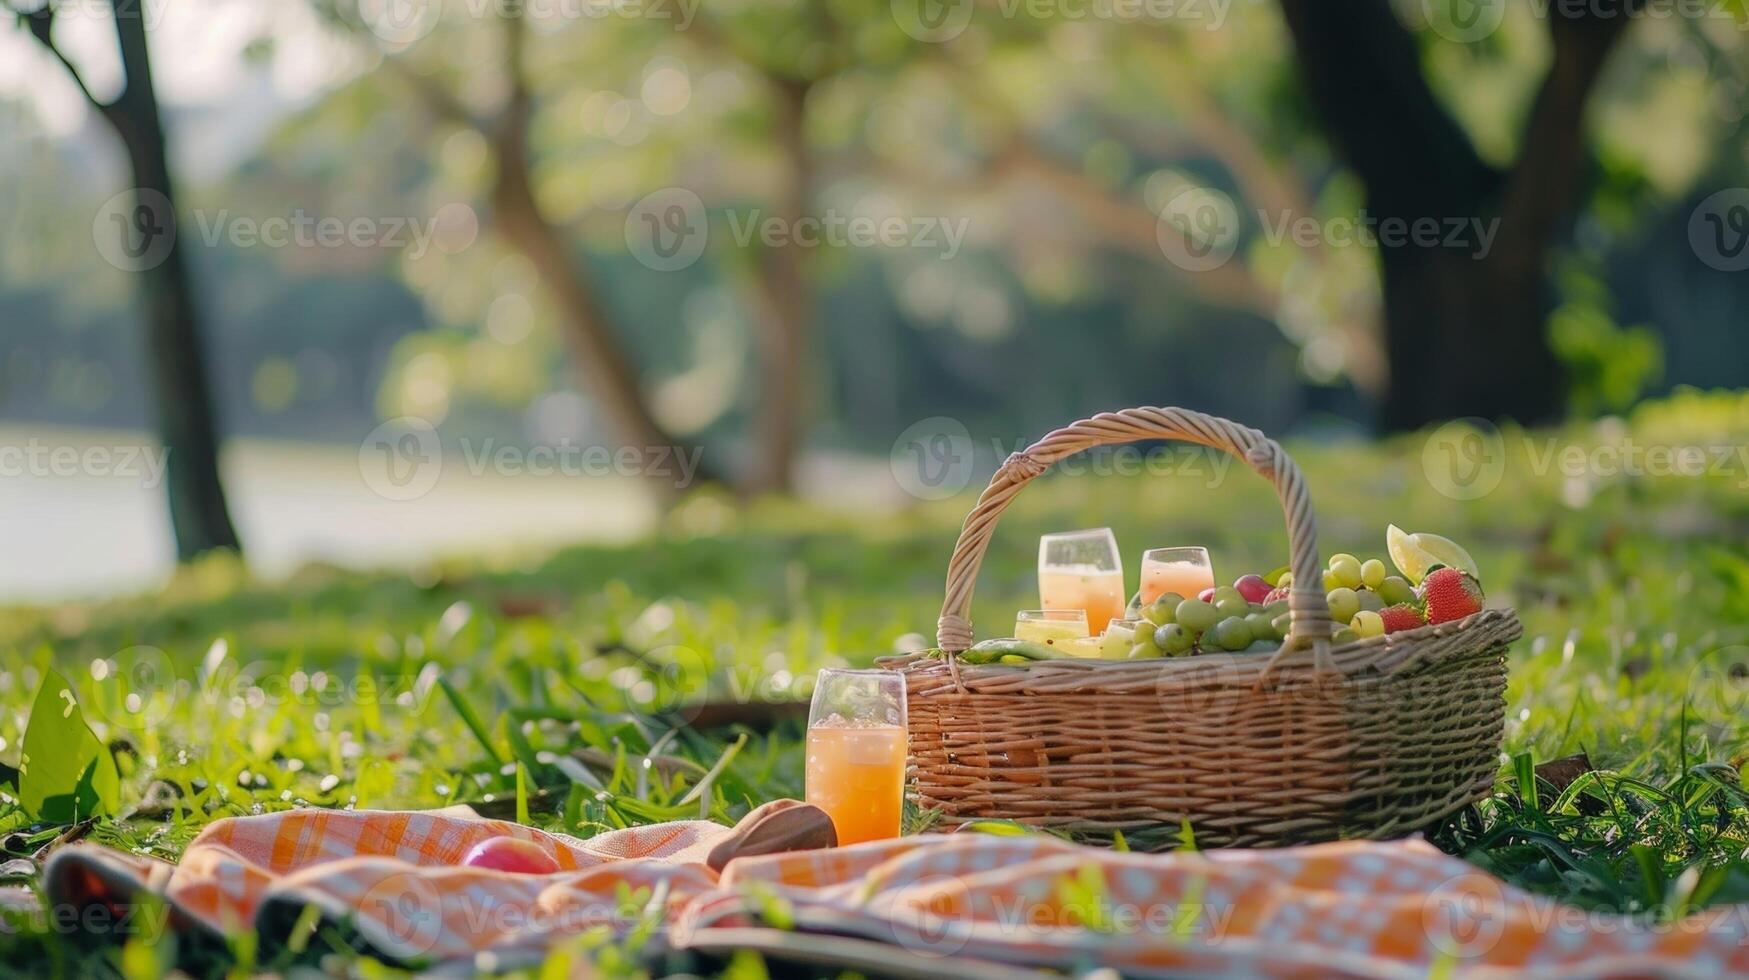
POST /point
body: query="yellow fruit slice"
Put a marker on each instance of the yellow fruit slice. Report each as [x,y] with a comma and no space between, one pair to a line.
[1414,554]
[1078,646]
[1408,558]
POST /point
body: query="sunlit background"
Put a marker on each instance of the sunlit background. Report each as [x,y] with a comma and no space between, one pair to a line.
[1037,160]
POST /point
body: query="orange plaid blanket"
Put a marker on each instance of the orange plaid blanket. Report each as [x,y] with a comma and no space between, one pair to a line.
[1359,909]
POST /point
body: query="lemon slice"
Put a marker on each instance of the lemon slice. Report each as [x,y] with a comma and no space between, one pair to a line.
[1414,554]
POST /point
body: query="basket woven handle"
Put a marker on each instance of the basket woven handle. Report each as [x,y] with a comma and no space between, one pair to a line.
[1310,615]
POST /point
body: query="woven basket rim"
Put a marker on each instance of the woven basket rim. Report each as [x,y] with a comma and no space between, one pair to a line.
[1373,655]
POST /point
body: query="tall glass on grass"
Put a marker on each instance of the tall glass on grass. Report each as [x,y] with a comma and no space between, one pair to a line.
[856,752]
[1082,570]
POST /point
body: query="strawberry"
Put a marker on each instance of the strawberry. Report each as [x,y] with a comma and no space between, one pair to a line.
[1277,594]
[1401,616]
[1450,593]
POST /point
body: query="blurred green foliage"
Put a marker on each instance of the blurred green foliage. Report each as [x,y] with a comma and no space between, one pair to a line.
[1060,139]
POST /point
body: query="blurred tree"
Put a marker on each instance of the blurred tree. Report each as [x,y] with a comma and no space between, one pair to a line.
[1465,334]
[592,339]
[176,356]
[783,291]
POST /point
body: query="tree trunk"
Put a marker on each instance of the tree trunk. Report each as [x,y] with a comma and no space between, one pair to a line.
[1464,337]
[786,318]
[594,350]
[181,389]
[1465,333]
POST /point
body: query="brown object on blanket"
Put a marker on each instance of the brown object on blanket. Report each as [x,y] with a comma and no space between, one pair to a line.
[781,825]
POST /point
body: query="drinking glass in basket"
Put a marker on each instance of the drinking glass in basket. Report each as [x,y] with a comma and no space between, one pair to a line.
[1185,571]
[1082,570]
[1044,625]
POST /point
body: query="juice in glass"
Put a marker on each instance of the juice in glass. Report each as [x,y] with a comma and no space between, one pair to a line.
[1185,571]
[1119,637]
[1082,570]
[856,752]
[1045,625]
[1097,592]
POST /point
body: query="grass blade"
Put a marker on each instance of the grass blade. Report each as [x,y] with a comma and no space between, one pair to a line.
[471,719]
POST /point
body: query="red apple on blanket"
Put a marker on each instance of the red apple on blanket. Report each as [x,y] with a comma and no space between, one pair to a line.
[511,854]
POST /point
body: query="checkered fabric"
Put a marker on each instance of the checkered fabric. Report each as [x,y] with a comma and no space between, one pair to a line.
[1361,909]
[1353,908]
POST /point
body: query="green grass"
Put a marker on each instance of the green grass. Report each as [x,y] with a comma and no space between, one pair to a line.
[1634,591]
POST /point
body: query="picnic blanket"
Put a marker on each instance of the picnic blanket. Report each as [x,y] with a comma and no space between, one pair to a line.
[1360,909]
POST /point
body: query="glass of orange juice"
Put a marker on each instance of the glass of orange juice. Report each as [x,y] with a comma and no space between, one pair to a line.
[1082,570]
[856,752]
[1186,571]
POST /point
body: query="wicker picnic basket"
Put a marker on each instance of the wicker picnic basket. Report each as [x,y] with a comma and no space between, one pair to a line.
[1369,739]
